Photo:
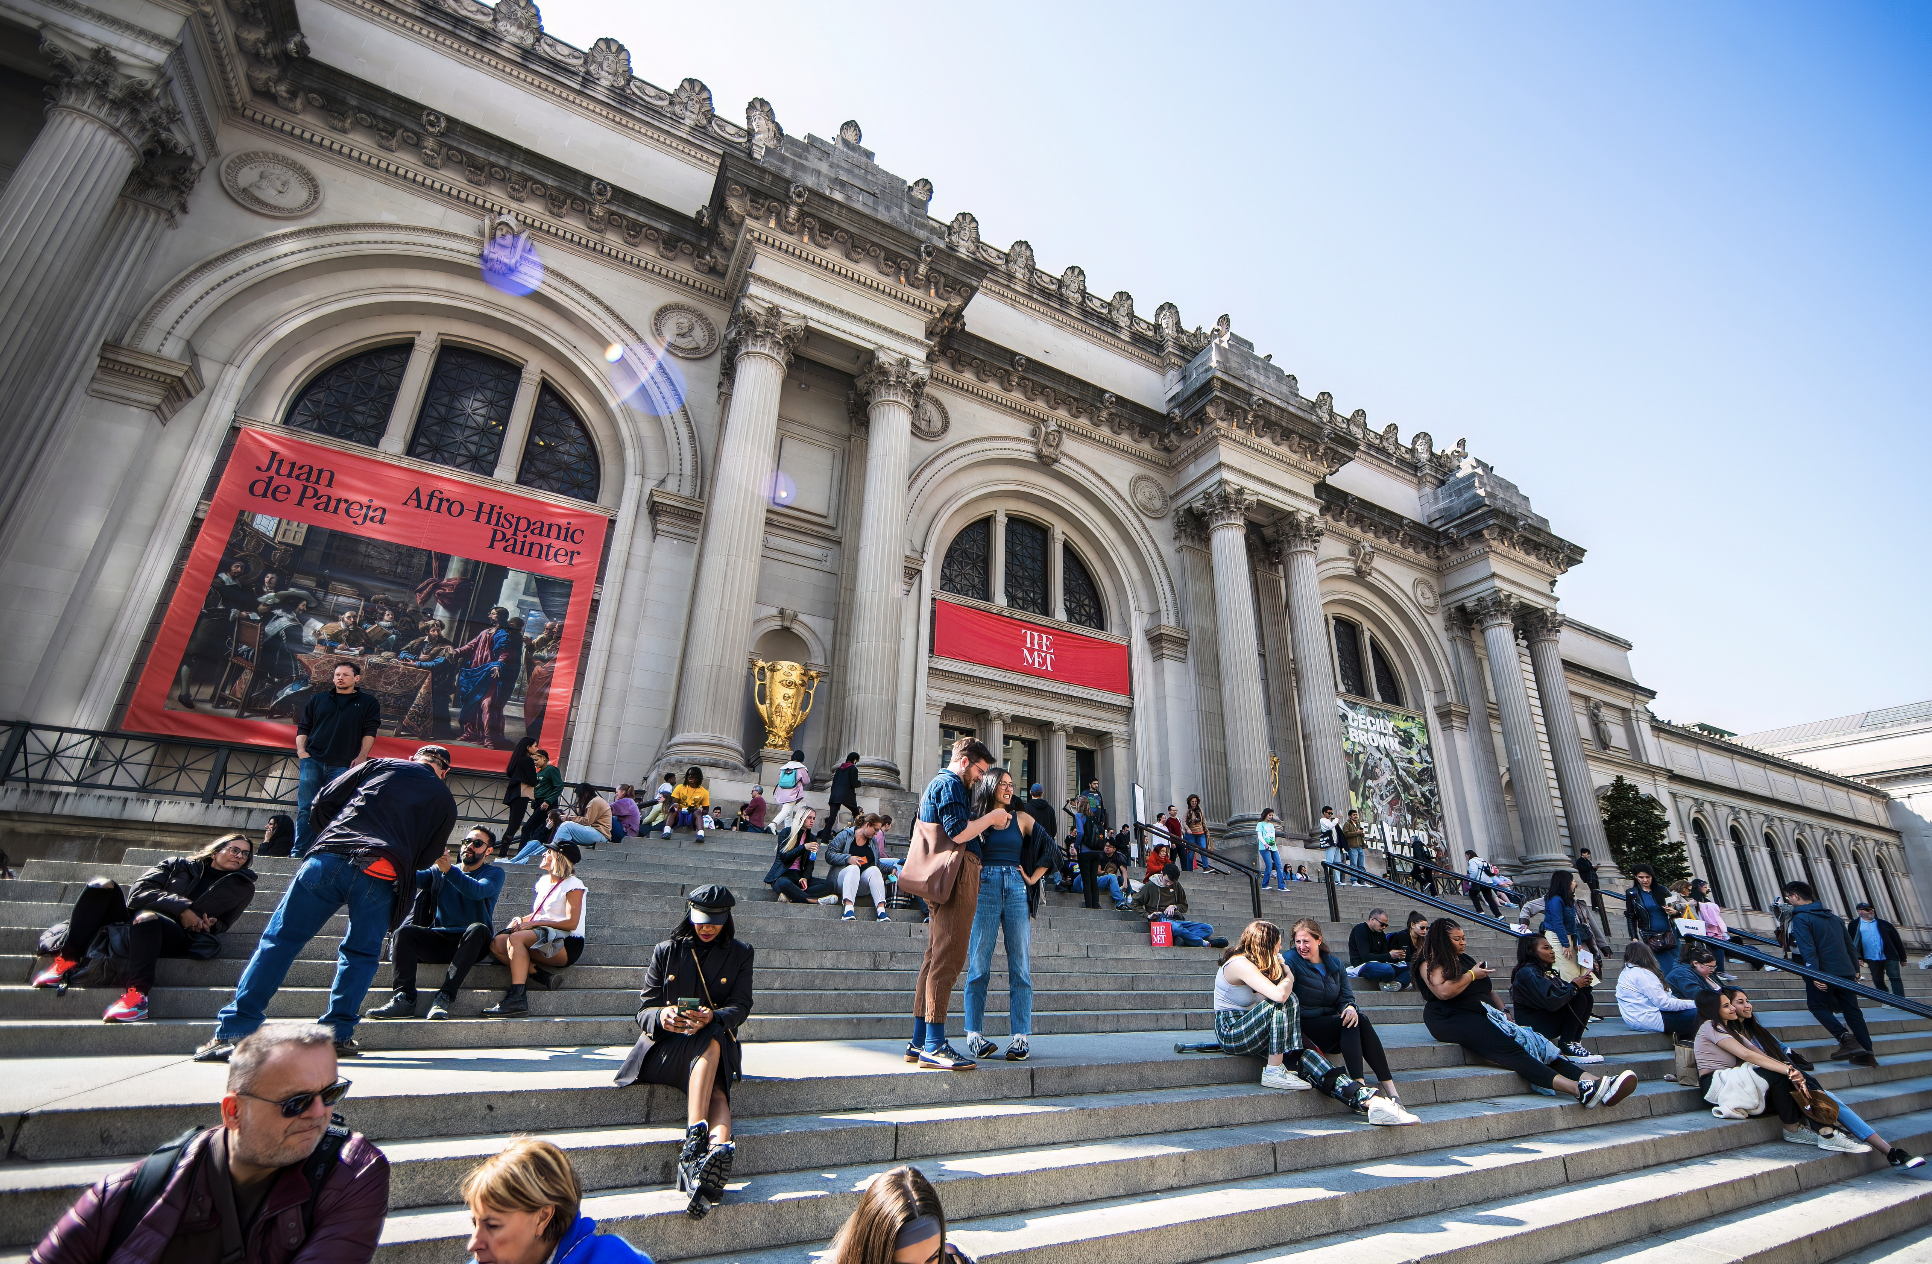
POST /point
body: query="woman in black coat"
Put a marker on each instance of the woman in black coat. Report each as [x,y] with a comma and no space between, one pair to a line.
[179,908]
[1547,1005]
[1329,1018]
[697,993]
[791,865]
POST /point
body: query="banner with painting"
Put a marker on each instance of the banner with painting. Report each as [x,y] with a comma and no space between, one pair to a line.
[1391,774]
[463,604]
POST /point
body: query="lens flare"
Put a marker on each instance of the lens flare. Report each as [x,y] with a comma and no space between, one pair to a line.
[645,377]
[510,263]
[783,490]
[614,353]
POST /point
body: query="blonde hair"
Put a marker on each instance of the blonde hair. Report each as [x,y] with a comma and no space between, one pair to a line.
[559,861]
[1260,943]
[528,1175]
[892,1201]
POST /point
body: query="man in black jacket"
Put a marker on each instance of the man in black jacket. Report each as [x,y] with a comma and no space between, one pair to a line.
[845,791]
[379,823]
[1876,943]
[1378,962]
[1818,940]
[332,735]
[1042,812]
[452,923]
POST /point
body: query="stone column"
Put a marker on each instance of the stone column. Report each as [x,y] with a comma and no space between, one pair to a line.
[409,394]
[1482,738]
[998,561]
[710,706]
[1544,628]
[1321,725]
[1542,846]
[516,434]
[891,388]
[100,124]
[995,738]
[1055,779]
[1225,507]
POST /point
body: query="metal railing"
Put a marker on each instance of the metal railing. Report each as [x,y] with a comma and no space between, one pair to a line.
[1735,931]
[1893,999]
[1330,868]
[1205,859]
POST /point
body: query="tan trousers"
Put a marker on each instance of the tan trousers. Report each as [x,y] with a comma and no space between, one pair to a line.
[947,936]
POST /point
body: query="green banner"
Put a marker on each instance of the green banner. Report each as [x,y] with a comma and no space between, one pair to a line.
[1391,774]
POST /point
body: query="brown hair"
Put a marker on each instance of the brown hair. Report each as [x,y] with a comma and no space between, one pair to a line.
[1314,929]
[528,1175]
[892,1201]
[208,852]
[974,750]
[1260,943]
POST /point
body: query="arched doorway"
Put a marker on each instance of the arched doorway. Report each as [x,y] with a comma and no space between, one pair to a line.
[1891,892]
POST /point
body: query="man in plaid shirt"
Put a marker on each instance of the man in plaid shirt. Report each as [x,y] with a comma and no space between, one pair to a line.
[947,803]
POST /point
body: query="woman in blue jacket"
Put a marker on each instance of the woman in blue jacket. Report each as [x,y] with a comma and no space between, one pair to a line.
[1329,1018]
[1559,923]
[523,1204]
[1650,921]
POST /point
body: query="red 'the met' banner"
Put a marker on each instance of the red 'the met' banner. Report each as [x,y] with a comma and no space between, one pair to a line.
[464,605]
[975,636]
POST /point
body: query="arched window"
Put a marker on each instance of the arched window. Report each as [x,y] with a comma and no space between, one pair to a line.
[1348,658]
[1026,566]
[1864,879]
[1837,881]
[352,398]
[1704,854]
[965,572]
[1891,892]
[1811,878]
[559,456]
[1385,682]
[466,410]
[1744,868]
[1777,861]
[1078,591]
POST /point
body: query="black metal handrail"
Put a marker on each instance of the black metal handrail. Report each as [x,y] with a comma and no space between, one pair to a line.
[1735,930]
[1896,1001]
[1517,894]
[1206,859]
[1330,868]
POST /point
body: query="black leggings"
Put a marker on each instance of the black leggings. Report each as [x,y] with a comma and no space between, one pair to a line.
[810,891]
[151,937]
[1560,1025]
[1476,1034]
[1777,1093]
[1477,894]
[1358,1043]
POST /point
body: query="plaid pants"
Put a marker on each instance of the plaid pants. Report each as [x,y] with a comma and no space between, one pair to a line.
[1271,1027]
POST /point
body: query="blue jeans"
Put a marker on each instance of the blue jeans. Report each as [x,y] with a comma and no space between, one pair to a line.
[531,850]
[324,883]
[1271,864]
[1383,971]
[1358,857]
[1191,934]
[311,775]
[1195,843]
[577,832]
[1002,905]
[1106,882]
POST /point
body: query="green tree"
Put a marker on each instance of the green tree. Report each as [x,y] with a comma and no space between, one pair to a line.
[1639,833]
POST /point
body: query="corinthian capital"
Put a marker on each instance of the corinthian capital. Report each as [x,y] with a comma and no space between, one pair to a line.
[1540,625]
[893,379]
[1225,504]
[1492,610]
[92,84]
[761,328]
[1299,533]
[164,182]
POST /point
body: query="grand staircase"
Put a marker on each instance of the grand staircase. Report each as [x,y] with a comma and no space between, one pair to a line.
[1106,1145]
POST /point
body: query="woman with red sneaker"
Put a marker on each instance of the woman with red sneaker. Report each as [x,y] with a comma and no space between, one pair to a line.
[177,909]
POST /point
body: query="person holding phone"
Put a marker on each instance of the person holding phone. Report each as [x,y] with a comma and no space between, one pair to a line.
[697,994]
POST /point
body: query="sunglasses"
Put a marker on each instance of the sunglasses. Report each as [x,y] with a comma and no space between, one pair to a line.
[296,1105]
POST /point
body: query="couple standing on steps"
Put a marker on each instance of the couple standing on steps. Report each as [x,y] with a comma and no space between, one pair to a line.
[978,863]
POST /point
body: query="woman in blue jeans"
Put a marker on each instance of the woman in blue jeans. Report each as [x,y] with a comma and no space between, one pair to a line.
[1643,908]
[1012,862]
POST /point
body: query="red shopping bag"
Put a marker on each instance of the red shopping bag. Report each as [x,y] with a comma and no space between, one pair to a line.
[1160,934]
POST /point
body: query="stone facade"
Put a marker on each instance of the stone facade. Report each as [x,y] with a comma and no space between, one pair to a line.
[918,393]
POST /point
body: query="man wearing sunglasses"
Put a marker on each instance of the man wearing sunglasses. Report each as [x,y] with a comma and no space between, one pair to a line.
[459,904]
[273,1182]
[376,825]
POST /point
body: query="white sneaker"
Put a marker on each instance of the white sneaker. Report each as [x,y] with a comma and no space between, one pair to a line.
[1388,1113]
[1608,1090]
[1580,1054]
[1841,1143]
[666,833]
[1803,1136]
[1282,1078]
[828,899]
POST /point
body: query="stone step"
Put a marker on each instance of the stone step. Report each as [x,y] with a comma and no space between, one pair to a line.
[1159,1198]
[1911,1247]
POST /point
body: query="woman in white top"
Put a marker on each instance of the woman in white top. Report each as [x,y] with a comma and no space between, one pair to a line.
[550,934]
[1643,1000]
[1255,1012]
[1264,837]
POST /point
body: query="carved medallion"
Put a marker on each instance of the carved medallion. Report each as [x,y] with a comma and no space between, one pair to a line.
[271,184]
[1425,595]
[930,420]
[1148,495]
[685,331]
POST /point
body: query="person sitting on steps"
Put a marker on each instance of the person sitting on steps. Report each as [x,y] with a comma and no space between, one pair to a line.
[690,799]
[1328,1013]
[898,1221]
[460,900]
[854,858]
[588,823]
[178,908]
[1110,874]
[549,937]
[1162,899]
[697,994]
[1542,1000]
[1457,993]
[1724,1041]
[526,1208]
[1644,1003]
[1256,1013]
[790,874]
[1696,972]
[1374,957]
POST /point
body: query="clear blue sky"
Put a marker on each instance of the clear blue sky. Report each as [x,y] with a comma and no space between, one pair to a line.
[1665,266]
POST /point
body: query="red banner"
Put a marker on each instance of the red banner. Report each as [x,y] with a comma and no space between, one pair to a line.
[465,605]
[993,640]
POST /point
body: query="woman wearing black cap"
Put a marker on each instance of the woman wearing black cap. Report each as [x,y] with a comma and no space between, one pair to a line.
[697,993]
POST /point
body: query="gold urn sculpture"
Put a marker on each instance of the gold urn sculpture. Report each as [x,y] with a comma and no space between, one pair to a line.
[783,695]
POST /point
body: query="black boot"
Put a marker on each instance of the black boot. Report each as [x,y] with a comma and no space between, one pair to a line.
[544,979]
[401,1005]
[715,1171]
[513,1002]
[697,1143]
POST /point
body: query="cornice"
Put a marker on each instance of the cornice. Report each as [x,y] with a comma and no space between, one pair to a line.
[1630,687]
[1227,434]
[1752,753]
[1107,339]
[797,298]
[825,262]
[1033,413]
[1722,793]
[33,18]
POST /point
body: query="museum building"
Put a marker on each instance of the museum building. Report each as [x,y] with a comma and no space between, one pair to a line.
[572,407]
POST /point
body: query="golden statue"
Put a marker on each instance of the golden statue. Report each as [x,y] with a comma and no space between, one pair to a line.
[783,696]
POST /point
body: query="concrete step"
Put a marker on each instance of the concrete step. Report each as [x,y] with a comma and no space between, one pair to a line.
[1911,1247]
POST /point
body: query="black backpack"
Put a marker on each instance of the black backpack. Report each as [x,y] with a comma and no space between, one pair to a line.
[159,1166]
